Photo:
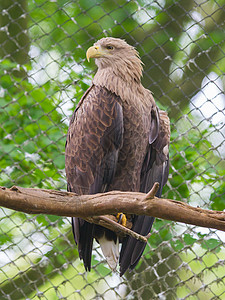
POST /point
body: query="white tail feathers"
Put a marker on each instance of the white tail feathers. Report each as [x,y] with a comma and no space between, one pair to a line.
[110,251]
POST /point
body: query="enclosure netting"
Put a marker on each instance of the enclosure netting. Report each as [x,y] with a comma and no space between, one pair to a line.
[43,74]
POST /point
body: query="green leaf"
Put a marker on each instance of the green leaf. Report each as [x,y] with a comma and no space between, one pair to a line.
[211,244]
[189,240]
[217,198]
[177,245]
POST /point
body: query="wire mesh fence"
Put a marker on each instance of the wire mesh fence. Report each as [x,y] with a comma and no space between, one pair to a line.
[43,74]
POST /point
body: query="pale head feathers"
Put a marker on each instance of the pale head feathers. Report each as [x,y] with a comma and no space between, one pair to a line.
[121,58]
[120,70]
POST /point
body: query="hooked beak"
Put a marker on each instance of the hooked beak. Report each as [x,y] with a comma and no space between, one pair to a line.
[94,52]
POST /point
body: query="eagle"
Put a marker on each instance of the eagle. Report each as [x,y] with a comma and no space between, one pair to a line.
[118,139]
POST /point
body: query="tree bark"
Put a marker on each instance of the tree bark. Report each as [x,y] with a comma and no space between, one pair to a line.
[40,201]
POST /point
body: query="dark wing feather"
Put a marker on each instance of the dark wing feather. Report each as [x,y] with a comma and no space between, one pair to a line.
[94,138]
[83,235]
[155,168]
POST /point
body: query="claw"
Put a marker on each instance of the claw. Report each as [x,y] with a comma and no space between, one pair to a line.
[122,219]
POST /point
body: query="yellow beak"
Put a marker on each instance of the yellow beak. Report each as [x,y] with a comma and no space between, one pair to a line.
[94,52]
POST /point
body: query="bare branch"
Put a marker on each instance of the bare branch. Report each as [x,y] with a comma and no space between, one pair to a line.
[93,208]
[110,222]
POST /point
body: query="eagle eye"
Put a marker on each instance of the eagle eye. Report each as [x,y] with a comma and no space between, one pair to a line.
[109,47]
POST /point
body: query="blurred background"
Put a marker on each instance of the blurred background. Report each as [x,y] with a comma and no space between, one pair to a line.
[43,74]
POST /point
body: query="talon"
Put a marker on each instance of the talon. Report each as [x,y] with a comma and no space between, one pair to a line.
[122,219]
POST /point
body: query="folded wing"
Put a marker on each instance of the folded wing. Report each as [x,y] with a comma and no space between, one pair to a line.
[94,138]
[155,168]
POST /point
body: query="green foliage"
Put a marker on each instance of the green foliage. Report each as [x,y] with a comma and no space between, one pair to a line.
[189,240]
[30,126]
[217,198]
[212,245]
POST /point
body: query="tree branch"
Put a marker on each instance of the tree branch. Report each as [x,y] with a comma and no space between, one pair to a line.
[93,208]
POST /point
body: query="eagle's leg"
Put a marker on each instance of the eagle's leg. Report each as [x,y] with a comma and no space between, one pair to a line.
[122,219]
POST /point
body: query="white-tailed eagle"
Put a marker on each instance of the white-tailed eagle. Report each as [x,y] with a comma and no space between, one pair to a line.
[117,140]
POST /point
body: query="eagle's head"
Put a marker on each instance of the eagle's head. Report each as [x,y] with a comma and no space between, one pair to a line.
[118,57]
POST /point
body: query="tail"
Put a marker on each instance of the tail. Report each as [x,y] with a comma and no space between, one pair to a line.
[110,250]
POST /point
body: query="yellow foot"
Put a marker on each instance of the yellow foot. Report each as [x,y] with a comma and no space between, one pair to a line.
[122,219]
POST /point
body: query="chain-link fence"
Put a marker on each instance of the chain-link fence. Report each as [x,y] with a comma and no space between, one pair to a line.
[43,74]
